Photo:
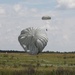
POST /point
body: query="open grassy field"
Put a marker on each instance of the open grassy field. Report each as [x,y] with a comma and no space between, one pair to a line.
[44,63]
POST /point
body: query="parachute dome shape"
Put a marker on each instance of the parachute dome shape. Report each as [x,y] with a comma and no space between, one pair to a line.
[46,18]
[33,40]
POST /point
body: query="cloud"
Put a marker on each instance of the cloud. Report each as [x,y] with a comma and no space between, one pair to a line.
[17,7]
[2,11]
[0,25]
[34,10]
[20,10]
[66,4]
[65,37]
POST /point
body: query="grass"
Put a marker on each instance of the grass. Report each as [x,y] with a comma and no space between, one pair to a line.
[43,64]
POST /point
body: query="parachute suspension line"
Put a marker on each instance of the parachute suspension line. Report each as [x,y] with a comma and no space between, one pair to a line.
[47,22]
[47,25]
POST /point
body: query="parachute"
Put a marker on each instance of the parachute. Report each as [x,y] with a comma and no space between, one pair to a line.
[33,40]
[46,18]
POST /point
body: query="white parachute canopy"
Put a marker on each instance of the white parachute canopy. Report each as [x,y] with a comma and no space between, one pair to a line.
[33,40]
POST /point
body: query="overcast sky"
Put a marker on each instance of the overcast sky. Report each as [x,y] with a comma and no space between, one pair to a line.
[16,15]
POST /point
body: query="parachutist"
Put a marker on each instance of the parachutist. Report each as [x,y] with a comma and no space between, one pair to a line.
[46,29]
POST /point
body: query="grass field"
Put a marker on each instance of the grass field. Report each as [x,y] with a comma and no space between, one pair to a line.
[42,64]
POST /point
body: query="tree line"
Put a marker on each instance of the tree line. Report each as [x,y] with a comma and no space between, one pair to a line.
[17,51]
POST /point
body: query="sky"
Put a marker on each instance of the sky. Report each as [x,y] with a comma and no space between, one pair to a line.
[16,15]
